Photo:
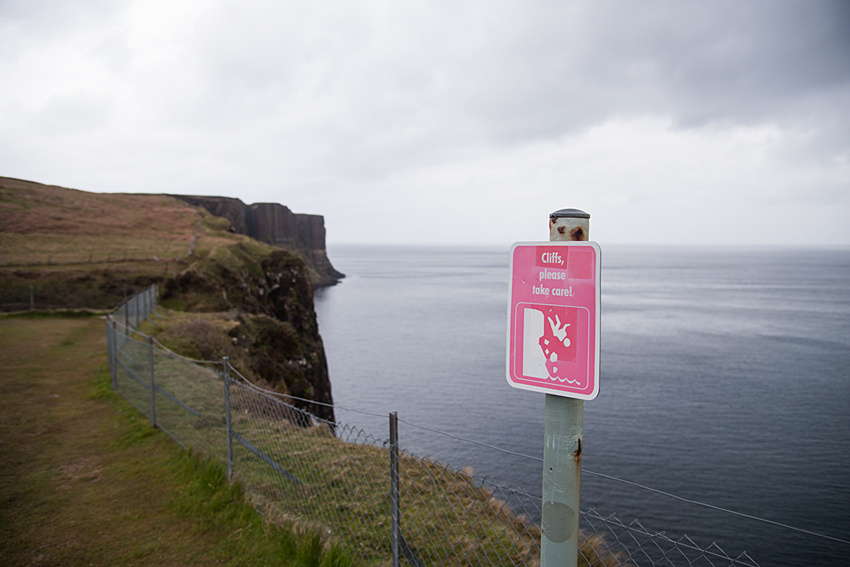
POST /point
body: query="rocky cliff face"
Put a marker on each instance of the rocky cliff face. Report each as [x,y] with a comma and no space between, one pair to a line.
[275,224]
[278,329]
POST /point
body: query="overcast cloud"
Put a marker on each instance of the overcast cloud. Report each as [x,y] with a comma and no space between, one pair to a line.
[447,121]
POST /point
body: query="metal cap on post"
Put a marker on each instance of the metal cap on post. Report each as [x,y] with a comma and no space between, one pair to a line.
[564,419]
[570,225]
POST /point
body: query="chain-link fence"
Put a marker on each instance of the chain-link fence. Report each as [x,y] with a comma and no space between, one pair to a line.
[385,505]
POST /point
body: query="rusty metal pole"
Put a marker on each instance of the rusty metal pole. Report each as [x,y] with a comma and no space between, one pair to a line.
[563,430]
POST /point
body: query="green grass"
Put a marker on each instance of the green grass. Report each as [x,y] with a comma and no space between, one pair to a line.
[85,479]
[204,496]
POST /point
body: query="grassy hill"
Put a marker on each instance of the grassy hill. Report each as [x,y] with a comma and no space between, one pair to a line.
[87,250]
[64,239]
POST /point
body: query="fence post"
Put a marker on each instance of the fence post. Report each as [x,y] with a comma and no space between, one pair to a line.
[126,313]
[394,494]
[114,361]
[136,309]
[108,347]
[227,421]
[32,299]
[563,431]
[153,385]
[109,352]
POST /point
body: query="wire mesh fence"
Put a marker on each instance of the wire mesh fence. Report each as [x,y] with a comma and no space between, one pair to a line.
[385,505]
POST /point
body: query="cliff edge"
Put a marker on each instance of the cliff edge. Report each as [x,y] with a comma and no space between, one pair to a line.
[275,224]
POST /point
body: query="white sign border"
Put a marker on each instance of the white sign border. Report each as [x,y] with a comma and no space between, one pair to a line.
[597,330]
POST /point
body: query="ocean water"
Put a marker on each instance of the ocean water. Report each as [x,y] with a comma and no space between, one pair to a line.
[725,378]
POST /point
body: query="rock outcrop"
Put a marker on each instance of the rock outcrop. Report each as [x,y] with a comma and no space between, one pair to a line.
[275,224]
[278,327]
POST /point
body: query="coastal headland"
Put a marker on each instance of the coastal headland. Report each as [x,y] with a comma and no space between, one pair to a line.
[233,295]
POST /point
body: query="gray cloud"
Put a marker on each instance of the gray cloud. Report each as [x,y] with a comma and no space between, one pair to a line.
[341,103]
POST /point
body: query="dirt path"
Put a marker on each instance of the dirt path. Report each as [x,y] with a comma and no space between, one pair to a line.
[79,485]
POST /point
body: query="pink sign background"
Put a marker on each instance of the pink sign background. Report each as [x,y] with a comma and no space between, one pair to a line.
[553,318]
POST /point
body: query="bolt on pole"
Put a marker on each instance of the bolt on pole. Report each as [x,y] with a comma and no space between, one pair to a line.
[563,431]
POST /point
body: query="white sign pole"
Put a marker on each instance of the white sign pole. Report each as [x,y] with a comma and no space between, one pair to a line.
[564,425]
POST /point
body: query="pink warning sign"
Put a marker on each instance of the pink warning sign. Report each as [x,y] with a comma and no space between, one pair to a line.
[553,318]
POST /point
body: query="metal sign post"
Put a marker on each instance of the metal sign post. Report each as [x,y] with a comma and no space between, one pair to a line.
[553,347]
[563,431]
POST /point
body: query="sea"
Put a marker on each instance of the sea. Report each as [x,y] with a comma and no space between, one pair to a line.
[724,379]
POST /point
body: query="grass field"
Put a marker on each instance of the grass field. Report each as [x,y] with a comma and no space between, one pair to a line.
[85,480]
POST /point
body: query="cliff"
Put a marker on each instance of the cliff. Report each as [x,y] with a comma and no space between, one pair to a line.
[80,249]
[277,336]
[275,224]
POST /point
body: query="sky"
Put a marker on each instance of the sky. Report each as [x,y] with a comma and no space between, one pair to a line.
[448,122]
